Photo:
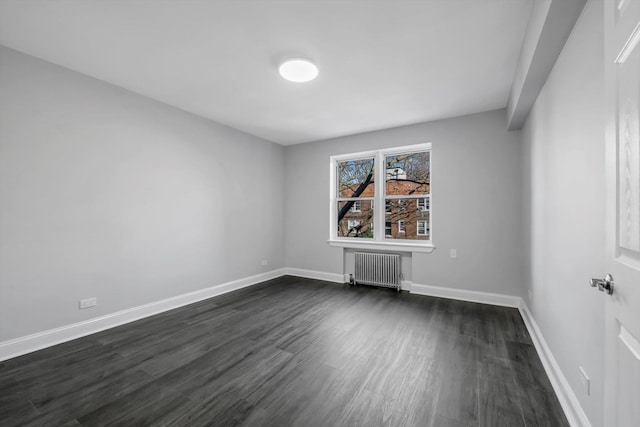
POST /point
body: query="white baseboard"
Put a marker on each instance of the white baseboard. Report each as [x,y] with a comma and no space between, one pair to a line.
[568,400]
[27,344]
[466,295]
[406,285]
[319,275]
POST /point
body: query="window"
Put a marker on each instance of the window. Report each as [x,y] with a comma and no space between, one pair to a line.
[423,228]
[403,198]
[407,185]
[354,188]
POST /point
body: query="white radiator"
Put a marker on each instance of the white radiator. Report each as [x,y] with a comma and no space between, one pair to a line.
[378,269]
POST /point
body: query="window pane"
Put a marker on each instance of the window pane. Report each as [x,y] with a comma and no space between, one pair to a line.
[405,220]
[355,224]
[408,174]
[355,178]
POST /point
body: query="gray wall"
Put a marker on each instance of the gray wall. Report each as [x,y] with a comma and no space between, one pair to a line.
[107,194]
[476,202]
[564,185]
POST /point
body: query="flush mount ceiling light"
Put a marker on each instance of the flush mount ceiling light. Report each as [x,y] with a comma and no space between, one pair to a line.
[298,70]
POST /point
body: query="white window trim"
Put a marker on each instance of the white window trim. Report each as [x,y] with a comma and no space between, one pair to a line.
[402,227]
[357,203]
[379,241]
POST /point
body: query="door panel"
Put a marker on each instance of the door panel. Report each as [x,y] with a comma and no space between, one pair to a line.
[627,410]
[628,100]
[622,198]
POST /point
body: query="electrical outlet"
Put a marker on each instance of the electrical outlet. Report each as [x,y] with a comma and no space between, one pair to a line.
[585,381]
[89,302]
[453,253]
[265,262]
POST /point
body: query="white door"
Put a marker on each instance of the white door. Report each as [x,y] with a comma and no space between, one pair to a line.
[622,329]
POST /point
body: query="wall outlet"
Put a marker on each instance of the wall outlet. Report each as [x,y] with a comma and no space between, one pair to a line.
[89,302]
[265,262]
[585,381]
[453,253]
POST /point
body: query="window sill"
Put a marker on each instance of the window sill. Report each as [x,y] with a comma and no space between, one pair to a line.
[394,246]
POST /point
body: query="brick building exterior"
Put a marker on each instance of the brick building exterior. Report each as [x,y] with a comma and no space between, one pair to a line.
[404,218]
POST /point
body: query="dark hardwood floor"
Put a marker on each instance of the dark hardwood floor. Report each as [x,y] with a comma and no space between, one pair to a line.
[292,352]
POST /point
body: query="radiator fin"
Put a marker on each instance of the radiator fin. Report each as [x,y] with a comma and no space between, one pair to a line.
[378,269]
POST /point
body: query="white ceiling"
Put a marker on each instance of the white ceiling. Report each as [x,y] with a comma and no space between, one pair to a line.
[383,63]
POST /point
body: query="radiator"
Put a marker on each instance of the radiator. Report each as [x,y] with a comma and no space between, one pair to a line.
[378,269]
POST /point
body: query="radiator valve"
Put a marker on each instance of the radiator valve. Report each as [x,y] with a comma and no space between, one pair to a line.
[351,281]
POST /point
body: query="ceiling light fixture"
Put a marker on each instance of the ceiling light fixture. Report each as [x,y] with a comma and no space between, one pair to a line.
[298,70]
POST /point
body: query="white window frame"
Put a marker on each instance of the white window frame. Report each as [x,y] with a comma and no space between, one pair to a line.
[423,204]
[356,207]
[402,227]
[378,241]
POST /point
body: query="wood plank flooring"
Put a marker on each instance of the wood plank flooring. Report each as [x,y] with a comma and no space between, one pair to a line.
[292,352]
